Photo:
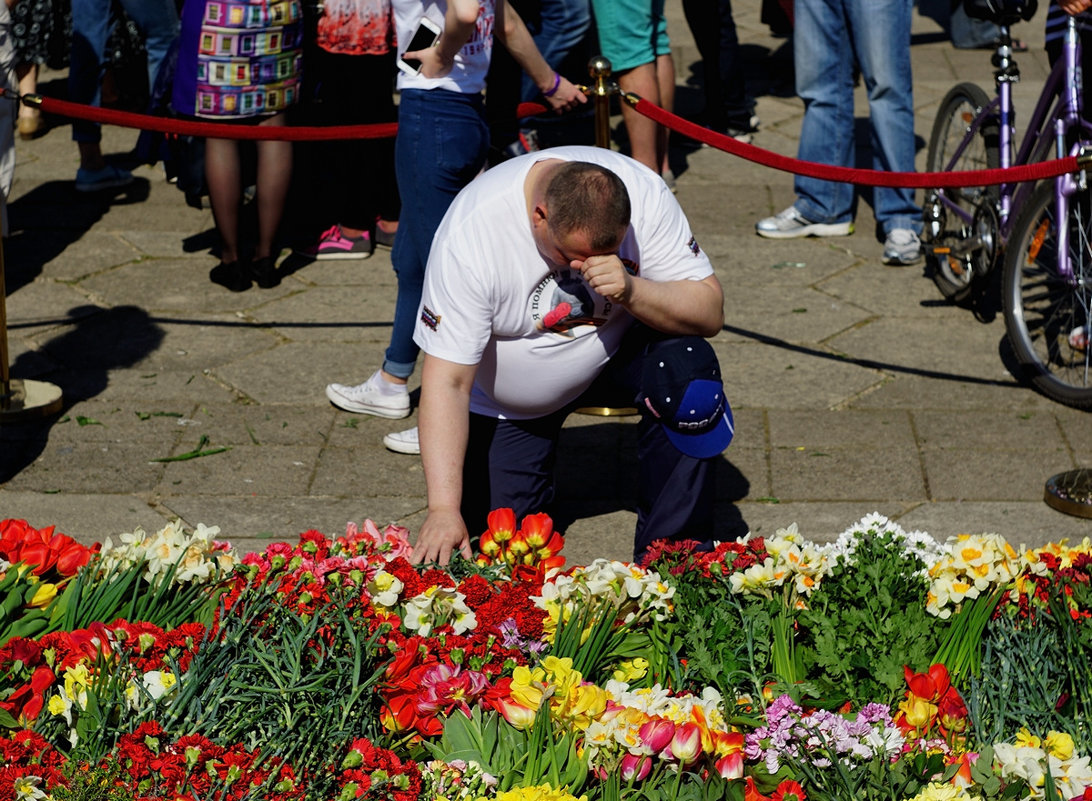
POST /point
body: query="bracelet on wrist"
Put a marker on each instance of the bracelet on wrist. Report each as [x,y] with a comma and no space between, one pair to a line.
[557,83]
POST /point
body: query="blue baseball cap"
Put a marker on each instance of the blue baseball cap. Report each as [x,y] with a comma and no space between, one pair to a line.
[682,388]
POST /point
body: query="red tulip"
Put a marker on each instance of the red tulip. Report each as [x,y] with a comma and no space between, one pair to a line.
[502,524]
[789,790]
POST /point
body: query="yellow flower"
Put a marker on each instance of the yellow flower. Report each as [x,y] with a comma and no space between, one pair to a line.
[1025,739]
[919,712]
[57,705]
[527,687]
[584,703]
[76,681]
[543,792]
[45,593]
[1059,744]
[937,791]
[631,669]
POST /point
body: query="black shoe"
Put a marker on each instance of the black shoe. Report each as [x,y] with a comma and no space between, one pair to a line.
[264,272]
[231,275]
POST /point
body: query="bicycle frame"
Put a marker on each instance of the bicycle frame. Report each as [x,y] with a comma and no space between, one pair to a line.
[1069,118]
[1056,114]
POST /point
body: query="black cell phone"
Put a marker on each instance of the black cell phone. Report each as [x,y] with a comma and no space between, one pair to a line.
[425,36]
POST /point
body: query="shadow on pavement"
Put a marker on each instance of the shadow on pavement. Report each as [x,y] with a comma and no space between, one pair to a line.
[52,216]
[79,361]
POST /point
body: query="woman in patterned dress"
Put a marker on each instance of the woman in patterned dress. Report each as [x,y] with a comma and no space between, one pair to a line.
[239,61]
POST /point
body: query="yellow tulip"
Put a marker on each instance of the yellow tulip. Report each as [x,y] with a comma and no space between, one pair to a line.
[45,593]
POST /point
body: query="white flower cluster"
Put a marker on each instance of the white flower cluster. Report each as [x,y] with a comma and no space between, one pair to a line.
[1029,758]
[792,559]
[435,607]
[656,701]
[632,590]
[195,557]
[914,544]
[71,699]
[972,565]
[618,730]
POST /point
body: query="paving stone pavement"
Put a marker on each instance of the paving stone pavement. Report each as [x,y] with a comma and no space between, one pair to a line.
[856,388]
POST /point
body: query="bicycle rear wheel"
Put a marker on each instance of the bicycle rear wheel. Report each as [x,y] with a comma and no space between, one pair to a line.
[1049,319]
[960,252]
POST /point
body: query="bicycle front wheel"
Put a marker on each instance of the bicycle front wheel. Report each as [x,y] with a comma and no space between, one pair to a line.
[1047,317]
[961,224]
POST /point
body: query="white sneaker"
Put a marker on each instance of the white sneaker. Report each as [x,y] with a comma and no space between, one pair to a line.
[403,441]
[901,248]
[791,224]
[371,398]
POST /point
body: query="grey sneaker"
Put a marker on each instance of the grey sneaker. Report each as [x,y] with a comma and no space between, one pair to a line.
[369,398]
[403,441]
[791,224]
[901,248]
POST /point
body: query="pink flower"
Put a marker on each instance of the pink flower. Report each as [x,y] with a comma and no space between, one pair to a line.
[656,734]
[635,768]
[392,542]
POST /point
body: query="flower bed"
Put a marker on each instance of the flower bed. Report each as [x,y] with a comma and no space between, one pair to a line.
[885,666]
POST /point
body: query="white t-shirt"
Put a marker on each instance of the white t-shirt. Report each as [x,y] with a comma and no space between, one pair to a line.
[538,333]
[471,62]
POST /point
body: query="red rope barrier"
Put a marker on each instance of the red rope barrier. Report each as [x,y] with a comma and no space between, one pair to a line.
[220,130]
[851,175]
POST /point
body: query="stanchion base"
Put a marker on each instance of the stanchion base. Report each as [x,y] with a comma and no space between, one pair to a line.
[607,411]
[29,400]
[1070,492]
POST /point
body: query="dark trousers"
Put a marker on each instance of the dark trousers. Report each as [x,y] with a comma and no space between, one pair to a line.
[725,89]
[511,463]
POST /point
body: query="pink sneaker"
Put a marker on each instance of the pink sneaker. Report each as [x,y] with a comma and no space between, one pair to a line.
[333,244]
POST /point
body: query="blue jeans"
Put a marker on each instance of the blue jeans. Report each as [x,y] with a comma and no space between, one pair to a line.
[441,145]
[827,34]
[562,28]
[157,20]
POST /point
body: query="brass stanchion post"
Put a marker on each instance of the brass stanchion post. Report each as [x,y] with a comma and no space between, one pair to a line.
[602,89]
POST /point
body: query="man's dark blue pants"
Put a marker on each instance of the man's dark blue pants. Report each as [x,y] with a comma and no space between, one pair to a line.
[511,463]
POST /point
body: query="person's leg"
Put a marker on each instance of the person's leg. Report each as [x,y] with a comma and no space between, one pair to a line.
[509,463]
[628,38]
[158,21]
[970,33]
[27,75]
[883,52]
[702,20]
[441,145]
[675,492]
[665,80]
[222,172]
[824,80]
[645,138]
[274,177]
[90,20]
[735,108]
[723,85]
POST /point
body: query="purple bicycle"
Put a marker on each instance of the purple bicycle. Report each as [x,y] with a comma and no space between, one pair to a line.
[1047,267]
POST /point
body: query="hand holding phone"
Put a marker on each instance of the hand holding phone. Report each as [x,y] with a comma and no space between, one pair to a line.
[426,36]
